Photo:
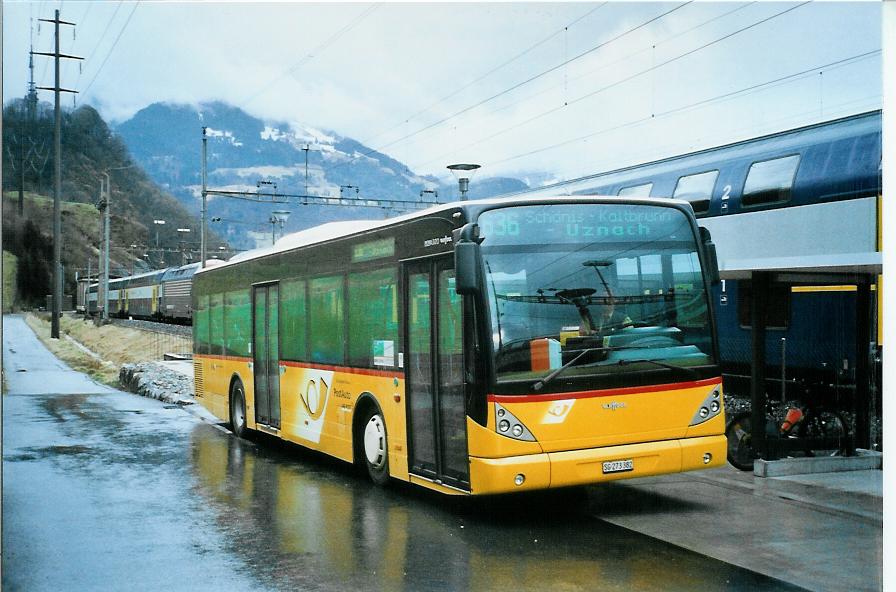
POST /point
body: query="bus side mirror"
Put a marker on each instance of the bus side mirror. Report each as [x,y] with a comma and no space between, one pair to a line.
[710,256]
[466,260]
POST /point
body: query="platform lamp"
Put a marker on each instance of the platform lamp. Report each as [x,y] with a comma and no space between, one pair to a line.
[183,245]
[463,173]
[278,216]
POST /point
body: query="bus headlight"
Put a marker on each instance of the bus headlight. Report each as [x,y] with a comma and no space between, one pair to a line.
[710,407]
[505,420]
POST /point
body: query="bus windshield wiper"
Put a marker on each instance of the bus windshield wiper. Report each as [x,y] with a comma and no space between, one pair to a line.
[541,383]
[683,369]
[689,371]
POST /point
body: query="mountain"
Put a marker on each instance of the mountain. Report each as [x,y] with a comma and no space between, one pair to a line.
[89,149]
[244,150]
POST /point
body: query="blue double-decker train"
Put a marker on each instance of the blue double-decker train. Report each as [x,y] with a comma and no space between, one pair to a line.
[804,204]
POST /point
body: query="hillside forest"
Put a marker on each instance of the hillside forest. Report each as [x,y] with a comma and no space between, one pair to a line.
[89,149]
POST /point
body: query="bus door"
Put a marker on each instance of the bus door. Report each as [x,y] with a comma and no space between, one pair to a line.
[266,354]
[433,359]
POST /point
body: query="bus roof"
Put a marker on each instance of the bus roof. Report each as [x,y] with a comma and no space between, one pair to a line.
[345,228]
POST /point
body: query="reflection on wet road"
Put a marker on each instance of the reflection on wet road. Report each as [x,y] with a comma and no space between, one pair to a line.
[104,490]
[301,520]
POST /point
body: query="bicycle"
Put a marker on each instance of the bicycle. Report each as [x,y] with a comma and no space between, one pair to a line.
[809,423]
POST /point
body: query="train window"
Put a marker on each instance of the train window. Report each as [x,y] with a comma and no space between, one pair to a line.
[778,313]
[292,320]
[636,190]
[697,189]
[326,320]
[770,181]
[372,318]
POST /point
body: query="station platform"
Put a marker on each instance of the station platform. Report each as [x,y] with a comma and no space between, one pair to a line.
[821,531]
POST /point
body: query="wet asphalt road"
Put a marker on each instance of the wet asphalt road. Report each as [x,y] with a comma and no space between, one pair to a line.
[104,490]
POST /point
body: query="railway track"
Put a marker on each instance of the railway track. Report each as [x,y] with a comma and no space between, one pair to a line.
[166,328]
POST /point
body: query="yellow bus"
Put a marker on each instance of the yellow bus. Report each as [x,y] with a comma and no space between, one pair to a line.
[476,347]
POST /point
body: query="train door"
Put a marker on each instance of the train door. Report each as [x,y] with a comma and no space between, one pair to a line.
[433,321]
[266,354]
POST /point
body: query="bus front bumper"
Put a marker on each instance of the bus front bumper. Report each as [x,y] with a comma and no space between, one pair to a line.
[581,467]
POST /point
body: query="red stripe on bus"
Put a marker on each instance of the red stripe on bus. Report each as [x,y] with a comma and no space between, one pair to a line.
[220,357]
[343,369]
[605,393]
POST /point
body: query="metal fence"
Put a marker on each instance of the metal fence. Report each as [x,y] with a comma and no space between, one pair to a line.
[168,346]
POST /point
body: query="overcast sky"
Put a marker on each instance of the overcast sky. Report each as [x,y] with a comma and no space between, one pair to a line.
[567,89]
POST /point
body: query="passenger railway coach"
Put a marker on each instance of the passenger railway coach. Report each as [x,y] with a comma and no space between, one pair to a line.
[163,294]
[803,200]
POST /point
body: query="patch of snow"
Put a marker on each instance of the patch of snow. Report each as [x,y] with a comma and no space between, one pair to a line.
[269,171]
[358,156]
[271,133]
[304,134]
[213,133]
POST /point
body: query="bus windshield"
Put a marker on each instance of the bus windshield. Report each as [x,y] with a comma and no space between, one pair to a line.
[594,291]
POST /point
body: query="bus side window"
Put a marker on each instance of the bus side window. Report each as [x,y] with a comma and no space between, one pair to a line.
[372,318]
[327,321]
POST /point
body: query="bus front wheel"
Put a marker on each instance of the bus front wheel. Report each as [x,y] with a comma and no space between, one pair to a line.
[376,448]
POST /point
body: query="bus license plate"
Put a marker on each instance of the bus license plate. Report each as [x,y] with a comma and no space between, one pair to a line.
[618,466]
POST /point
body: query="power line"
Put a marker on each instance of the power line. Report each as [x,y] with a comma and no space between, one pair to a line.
[623,80]
[631,55]
[106,30]
[312,54]
[694,105]
[487,74]
[112,49]
[514,87]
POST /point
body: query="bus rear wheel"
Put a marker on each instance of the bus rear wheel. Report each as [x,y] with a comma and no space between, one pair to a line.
[238,410]
[375,446]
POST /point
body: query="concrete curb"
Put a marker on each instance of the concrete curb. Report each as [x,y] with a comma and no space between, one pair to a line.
[156,382]
[863,461]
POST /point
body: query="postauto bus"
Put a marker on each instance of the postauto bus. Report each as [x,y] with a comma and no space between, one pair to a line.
[476,347]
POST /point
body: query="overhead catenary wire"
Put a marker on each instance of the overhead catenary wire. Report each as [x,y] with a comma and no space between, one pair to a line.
[511,88]
[112,49]
[725,96]
[485,75]
[311,54]
[622,80]
[629,56]
[105,31]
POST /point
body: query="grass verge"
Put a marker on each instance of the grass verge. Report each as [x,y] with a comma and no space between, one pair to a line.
[10,268]
[114,344]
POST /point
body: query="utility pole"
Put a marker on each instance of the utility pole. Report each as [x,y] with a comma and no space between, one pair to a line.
[57,191]
[306,148]
[107,225]
[203,230]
